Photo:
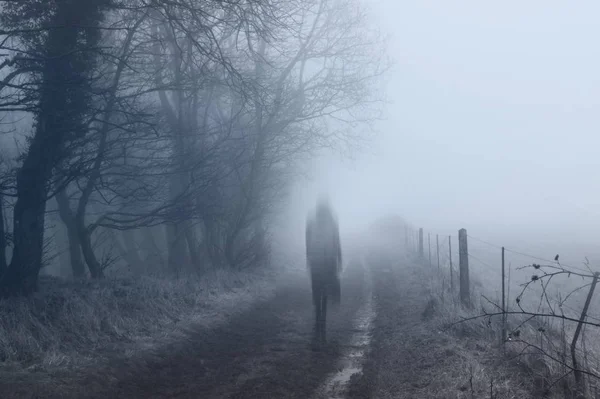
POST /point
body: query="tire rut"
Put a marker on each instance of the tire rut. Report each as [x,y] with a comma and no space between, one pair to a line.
[301,371]
[206,363]
[264,352]
[403,360]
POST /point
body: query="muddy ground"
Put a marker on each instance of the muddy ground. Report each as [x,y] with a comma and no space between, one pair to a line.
[267,353]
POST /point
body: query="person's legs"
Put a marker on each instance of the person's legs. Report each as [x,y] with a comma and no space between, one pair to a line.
[317,293]
[336,289]
[315,287]
[318,316]
[333,284]
[323,327]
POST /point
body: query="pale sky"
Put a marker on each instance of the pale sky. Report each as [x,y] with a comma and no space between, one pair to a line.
[493,124]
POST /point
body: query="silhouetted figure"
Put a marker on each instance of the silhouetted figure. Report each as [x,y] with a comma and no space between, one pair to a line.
[324,259]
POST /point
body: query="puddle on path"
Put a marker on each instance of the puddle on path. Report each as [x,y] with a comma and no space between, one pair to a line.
[351,361]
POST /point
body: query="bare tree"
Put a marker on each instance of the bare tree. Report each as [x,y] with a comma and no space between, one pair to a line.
[184,57]
[319,72]
[3,242]
[121,187]
[192,117]
[54,42]
[67,217]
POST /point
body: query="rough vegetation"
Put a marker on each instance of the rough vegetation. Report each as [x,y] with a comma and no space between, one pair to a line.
[152,145]
[146,150]
[75,324]
[528,364]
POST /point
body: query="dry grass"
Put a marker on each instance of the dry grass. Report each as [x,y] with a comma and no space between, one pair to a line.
[72,324]
[413,357]
[476,364]
[502,371]
[460,363]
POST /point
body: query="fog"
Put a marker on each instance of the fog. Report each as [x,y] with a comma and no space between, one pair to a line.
[491,125]
[159,162]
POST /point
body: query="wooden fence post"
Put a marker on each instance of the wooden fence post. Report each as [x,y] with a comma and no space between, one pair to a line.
[415,238]
[437,251]
[451,268]
[429,245]
[503,303]
[578,374]
[421,242]
[463,259]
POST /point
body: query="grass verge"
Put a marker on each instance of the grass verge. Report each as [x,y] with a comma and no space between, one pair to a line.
[531,364]
[412,356]
[70,324]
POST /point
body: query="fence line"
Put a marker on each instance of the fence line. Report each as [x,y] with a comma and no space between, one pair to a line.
[542,273]
[563,265]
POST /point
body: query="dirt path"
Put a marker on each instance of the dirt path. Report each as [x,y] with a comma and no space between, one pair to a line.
[399,363]
[379,347]
[264,352]
[409,356]
[298,371]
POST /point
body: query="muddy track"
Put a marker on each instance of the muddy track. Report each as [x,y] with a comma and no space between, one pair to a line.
[264,352]
[405,354]
[298,371]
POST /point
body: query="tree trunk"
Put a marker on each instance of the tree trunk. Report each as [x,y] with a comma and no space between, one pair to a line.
[63,101]
[230,255]
[77,265]
[178,233]
[192,243]
[133,255]
[3,264]
[61,240]
[85,238]
[177,247]
[21,275]
[85,235]
[63,256]
[211,242]
[153,255]
[67,217]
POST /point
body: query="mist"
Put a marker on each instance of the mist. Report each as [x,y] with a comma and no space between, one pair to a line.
[490,125]
[161,164]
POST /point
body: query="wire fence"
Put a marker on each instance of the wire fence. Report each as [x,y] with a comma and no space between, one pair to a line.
[543,303]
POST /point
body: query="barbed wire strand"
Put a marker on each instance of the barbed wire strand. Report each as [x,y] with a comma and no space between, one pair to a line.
[530,256]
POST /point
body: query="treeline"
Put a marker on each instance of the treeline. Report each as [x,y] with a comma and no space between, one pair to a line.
[166,132]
